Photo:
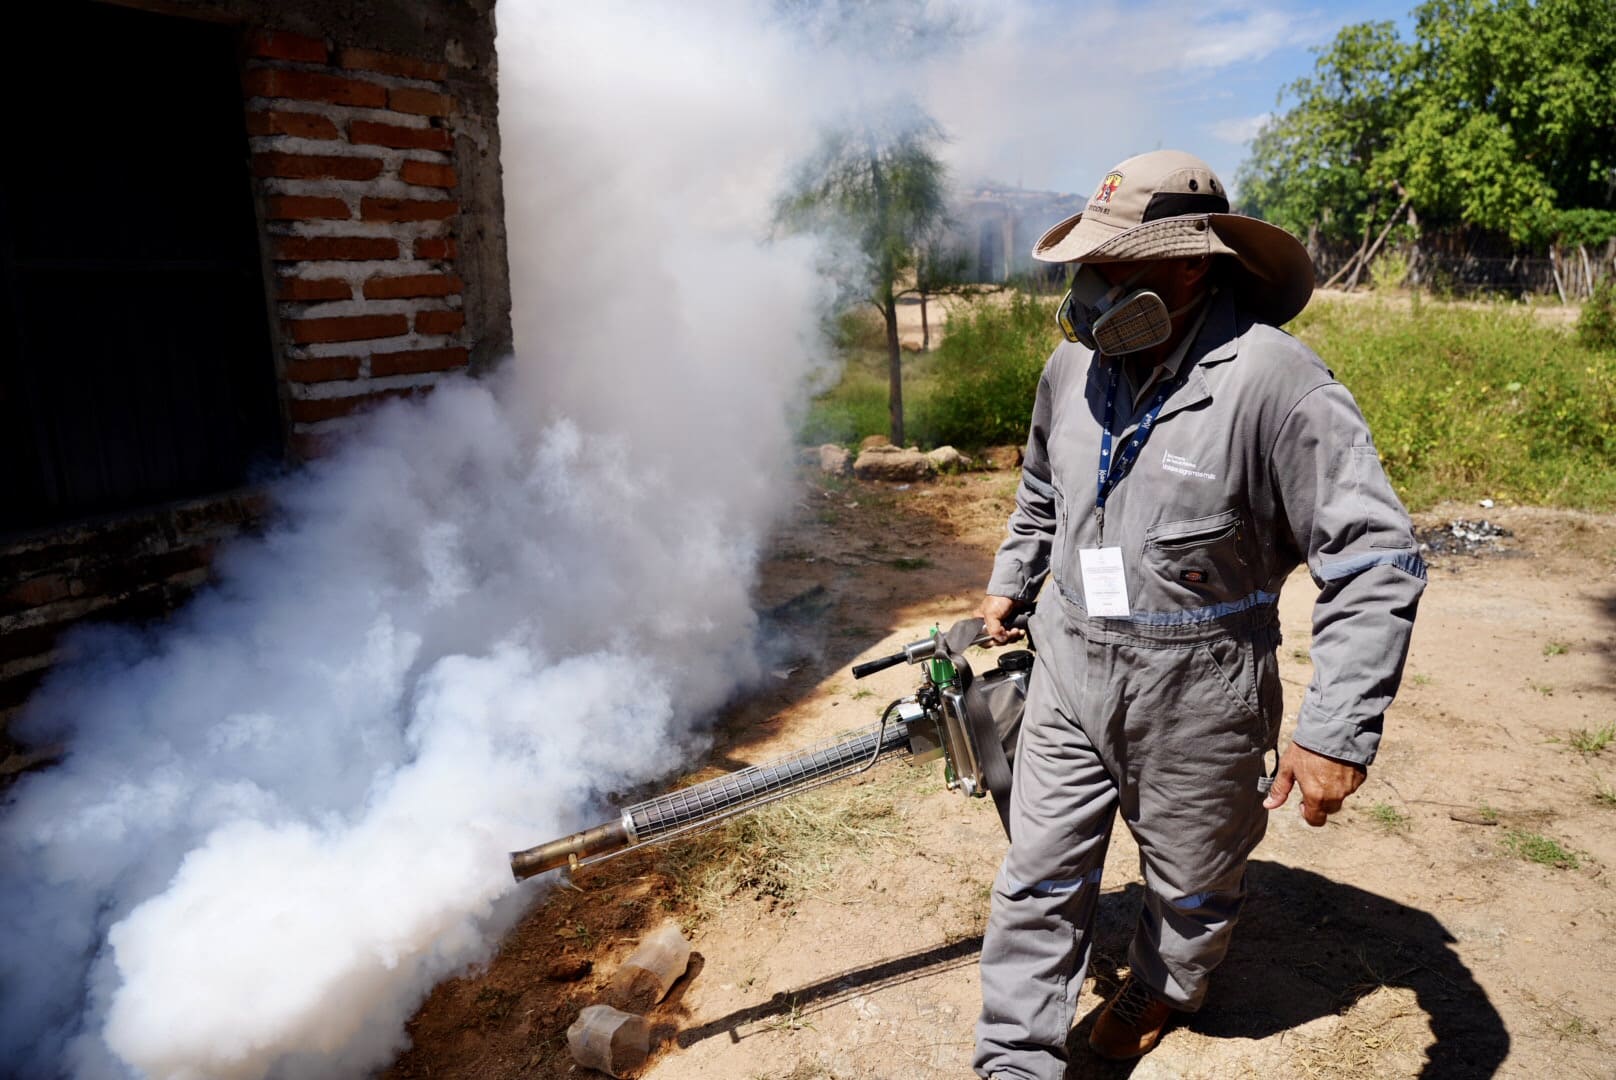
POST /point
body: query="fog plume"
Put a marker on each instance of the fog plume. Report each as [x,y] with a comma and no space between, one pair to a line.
[285,813]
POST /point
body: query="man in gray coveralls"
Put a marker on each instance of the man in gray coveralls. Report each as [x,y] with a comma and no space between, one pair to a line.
[1185,457]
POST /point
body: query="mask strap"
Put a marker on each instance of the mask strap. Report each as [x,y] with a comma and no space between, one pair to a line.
[1110,298]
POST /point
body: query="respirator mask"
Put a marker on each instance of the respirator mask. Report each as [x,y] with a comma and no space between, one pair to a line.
[1114,319]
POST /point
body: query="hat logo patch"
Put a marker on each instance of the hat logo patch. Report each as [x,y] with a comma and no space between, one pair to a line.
[1108,187]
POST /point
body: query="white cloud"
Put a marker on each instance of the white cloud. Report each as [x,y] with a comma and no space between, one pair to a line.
[1238,129]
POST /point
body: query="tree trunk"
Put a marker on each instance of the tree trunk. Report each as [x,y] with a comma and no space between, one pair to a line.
[1358,268]
[1379,240]
[925,326]
[1348,265]
[894,368]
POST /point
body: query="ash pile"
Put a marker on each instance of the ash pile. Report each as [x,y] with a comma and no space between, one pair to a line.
[1461,537]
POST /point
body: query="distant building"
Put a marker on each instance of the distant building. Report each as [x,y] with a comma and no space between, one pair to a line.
[996,227]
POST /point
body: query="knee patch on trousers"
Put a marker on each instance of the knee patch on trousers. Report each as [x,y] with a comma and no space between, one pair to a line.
[1052,887]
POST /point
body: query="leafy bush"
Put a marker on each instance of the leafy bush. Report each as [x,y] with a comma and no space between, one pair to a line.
[1596,324]
[986,371]
[1469,402]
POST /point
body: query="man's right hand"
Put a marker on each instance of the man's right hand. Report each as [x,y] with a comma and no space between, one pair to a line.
[994,613]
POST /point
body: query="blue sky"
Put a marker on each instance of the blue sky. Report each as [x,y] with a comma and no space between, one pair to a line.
[1222,114]
[1065,88]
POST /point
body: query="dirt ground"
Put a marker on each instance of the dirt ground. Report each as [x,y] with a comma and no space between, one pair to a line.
[1411,937]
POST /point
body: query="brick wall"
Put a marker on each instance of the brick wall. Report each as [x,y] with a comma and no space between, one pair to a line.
[353,150]
[374,153]
[129,568]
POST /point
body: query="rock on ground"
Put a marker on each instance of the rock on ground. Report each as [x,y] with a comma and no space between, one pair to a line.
[893,463]
[948,459]
[834,460]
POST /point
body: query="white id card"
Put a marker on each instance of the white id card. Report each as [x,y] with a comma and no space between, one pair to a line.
[1105,587]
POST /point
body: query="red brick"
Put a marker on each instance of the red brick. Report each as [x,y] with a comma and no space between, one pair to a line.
[427,174]
[311,410]
[316,167]
[310,248]
[407,67]
[348,328]
[417,361]
[293,288]
[370,133]
[306,208]
[315,86]
[396,288]
[280,45]
[420,102]
[322,369]
[36,592]
[435,247]
[301,124]
[439,322]
[373,209]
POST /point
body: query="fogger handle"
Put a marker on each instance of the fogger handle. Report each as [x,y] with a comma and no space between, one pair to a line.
[870,667]
[925,649]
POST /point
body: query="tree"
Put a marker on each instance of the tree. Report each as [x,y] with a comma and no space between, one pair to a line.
[883,190]
[1501,116]
[1310,166]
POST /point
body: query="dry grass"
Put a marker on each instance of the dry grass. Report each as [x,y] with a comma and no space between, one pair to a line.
[1385,1033]
[788,849]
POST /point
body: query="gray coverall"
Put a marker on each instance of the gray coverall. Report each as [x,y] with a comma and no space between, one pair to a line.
[1258,461]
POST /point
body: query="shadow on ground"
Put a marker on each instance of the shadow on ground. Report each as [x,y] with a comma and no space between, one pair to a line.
[1308,947]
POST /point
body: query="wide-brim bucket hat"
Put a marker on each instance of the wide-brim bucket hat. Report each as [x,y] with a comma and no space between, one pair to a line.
[1170,205]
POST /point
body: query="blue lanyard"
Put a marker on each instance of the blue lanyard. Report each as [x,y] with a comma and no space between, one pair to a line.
[1113,470]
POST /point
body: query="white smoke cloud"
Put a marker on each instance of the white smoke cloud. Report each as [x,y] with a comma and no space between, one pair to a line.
[285,813]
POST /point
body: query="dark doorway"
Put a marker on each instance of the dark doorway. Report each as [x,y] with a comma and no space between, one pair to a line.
[135,357]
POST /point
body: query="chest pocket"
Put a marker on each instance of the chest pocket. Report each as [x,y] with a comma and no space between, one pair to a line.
[1195,563]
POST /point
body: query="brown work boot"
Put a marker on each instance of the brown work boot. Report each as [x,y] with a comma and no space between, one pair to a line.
[1131,1024]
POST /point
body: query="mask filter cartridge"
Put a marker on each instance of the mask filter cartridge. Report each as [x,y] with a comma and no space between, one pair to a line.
[1112,319]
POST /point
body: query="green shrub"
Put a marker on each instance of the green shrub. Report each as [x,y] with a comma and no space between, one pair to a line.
[1465,401]
[857,405]
[1471,402]
[1389,271]
[986,371]
[853,408]
[1596,324]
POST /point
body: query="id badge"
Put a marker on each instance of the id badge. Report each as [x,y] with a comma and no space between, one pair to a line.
[1105,586]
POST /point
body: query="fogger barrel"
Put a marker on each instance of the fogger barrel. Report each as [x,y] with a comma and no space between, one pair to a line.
[932,723]
[699,805]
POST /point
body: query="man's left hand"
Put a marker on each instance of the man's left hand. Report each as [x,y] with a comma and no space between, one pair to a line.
[1325,783]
